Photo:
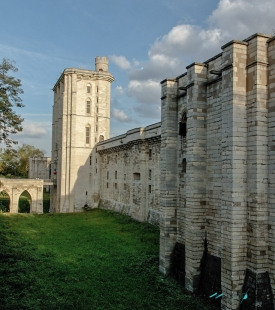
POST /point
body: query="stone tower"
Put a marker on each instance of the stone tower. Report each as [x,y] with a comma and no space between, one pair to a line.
[81,118]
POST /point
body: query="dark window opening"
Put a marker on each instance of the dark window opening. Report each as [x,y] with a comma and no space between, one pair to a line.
[150,154]
[183,165]
[182,126]
[150,189]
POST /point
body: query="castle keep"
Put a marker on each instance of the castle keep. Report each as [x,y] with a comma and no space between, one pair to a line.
[206,173]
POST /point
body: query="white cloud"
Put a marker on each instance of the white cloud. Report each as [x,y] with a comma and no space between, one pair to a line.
[33,131]
[239,19]
[185,43]
[120,61]
[120,116]
[119,90]
[144,91]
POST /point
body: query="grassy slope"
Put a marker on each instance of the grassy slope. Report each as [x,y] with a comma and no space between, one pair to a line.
[92,260]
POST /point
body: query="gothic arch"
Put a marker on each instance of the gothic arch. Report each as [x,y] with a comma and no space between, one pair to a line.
[24,208]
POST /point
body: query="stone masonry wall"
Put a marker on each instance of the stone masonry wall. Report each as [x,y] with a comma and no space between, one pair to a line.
[128,168]
[224,169]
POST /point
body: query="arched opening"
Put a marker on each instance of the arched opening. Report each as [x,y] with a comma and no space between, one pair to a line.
[24,203]
[4,202]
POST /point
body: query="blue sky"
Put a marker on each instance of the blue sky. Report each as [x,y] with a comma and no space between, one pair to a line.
[146,41]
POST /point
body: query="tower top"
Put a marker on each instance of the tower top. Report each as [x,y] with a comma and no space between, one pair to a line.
[101,63]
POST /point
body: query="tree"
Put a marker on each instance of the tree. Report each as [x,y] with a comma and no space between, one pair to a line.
[10,89]
[16,162]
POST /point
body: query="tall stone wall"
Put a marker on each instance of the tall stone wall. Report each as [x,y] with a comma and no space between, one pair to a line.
[219,210]
[128,169]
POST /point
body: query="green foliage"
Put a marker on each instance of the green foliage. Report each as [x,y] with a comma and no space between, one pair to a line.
[15,163]
[10,90]
[91,260]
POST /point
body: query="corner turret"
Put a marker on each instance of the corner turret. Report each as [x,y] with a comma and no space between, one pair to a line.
[101,63]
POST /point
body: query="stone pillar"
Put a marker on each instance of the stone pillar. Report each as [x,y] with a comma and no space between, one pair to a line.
[195,173]
[271,157]
[168,174]
[234,156]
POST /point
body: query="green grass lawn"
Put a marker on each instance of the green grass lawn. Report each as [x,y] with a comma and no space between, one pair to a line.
[92,260]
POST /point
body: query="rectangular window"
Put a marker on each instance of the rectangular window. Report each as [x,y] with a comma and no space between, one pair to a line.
[124,176]
[88,89]
[124,186]
[107,174]
[87,135]
[115,174]
[88,107]
[96,160]
[115,185]
[150,174]
[97,89]
[107,185]
[97,109]
[150,154]
[96,99]
[150,189]
[96,128]
[90,160]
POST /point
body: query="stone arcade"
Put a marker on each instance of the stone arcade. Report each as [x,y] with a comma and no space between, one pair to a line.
[206,173]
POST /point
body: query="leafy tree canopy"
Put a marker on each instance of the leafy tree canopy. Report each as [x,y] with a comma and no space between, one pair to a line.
[16,162]
[10,89]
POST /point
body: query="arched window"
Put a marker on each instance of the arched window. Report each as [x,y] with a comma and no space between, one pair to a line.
[88,106]
[88,88]
[182,126]
[88,134]
[101,138]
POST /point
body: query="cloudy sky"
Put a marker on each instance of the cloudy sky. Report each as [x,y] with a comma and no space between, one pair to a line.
[146,41]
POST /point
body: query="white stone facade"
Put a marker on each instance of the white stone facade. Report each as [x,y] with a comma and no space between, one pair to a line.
[81,118]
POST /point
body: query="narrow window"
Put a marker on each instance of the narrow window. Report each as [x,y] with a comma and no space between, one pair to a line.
[87,135]
[124,176]
[150,174]
[96,128]
[183,165]
[88,89]
[97,89]
[96,99]
[107,174]
[115,174]
[150,189]
[107,185]
[96,109]
[150,154]
[95,170]
[95,139]
[90,160]
[182,126]
[115,185]
[124,186]
[88,107]
[97,119]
